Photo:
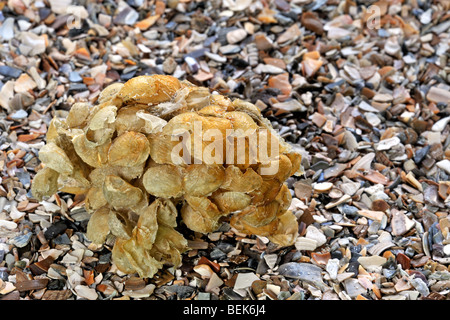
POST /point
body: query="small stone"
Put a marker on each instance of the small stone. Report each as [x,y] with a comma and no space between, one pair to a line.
[318,119]
[332,268]
[55,229]
[18,115]
[420,154]
[446,250]
[239,5]
[40,82]
[311,22]
[349,210]
[24,84]
[311,66]
[341,200]
[230,49]
[413,181]
[258,286]
[350,188]
[380,205]
[337,33]
[444,165]
[383,245]
[147,22]
[59,7]
[10,225]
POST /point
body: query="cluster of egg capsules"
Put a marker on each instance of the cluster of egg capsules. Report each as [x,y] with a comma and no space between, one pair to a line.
[119,154]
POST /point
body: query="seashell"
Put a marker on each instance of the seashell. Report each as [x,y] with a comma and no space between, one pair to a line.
[121,194]
[164,180]
[129,149]
[55,158]
[98,227]
[148,89]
